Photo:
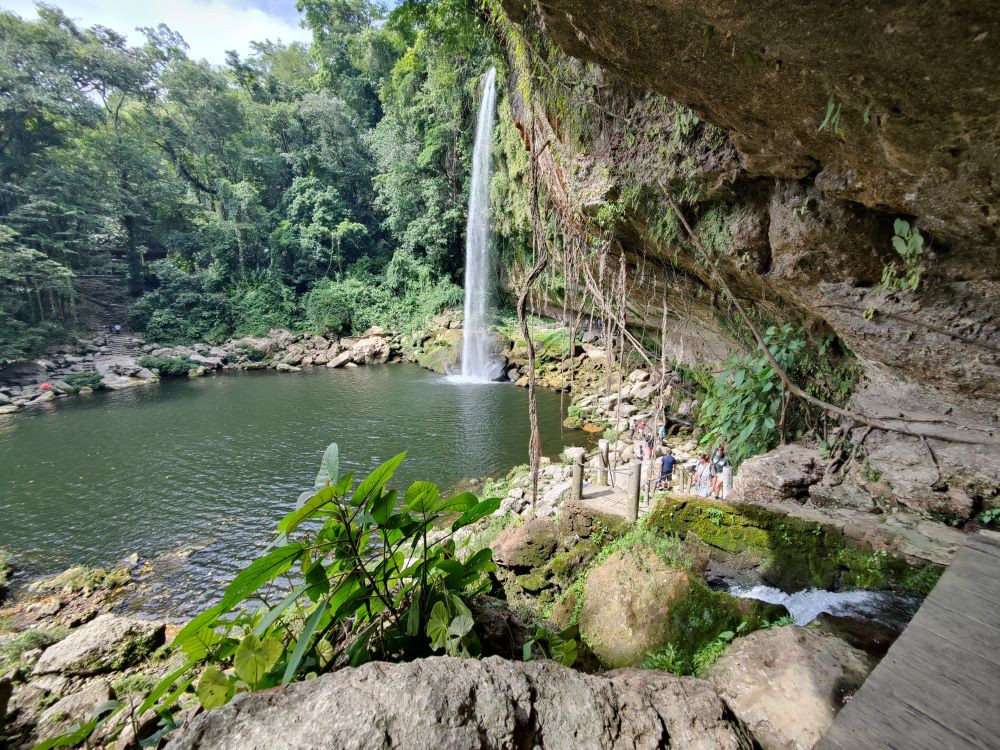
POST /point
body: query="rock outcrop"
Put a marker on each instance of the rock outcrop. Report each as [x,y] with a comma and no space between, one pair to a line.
[785,473]
[791,146]
[787,684]
[457,704]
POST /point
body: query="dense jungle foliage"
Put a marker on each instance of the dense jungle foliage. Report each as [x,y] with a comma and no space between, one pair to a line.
[313,187]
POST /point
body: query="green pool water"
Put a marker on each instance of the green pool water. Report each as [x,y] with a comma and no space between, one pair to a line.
[211,464]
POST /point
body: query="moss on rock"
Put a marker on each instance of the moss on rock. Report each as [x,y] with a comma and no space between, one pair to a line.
[790,552]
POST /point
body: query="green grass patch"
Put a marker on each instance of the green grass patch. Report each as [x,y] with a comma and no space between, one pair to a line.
[12,648]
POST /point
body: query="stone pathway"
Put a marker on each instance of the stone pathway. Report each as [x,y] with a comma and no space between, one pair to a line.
[939,685]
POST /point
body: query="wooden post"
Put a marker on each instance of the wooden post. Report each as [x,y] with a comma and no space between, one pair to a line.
[602,463]
[576,457]
[727,481]
[632,496]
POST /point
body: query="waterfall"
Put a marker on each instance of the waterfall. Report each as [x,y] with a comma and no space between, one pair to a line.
[477,363]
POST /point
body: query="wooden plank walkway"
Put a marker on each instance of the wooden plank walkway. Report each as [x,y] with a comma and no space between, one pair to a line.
[938,687]
[611,501]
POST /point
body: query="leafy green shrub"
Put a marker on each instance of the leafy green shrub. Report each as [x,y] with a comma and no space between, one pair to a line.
[262,303]
[187,306]
[85,379]
[368,582]
[170,366]
[328,307]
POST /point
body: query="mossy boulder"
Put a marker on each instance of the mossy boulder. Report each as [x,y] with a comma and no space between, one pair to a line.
[626,603]
[441,351]
[530,545]
[105,644]
[788,552]
[585,522]
[81,578]
[568,564]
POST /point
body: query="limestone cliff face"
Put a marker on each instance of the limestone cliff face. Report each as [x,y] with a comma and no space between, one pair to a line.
[721,104]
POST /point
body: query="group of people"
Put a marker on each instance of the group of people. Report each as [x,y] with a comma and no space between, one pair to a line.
[645,440]
[707,472]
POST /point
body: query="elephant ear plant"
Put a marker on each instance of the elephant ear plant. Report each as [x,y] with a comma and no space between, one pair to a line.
[355,573]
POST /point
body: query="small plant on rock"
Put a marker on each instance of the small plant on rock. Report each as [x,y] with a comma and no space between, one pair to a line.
[909,245]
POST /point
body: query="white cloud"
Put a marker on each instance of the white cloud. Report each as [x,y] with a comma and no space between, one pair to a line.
[210,27]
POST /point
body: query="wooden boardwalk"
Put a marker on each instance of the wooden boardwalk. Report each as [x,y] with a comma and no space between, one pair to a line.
[611,501]
[938,687]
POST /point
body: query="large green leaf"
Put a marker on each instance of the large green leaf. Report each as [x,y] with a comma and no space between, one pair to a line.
[259,572]
[473,514]
[161,688]
[329,467]
[302,643]
[481,562]
[195,626]
[275,612]
[458,504]
[374,482]
[420,497]
[255,657]
[382,508]
[460,626]
[290,522]
[214,689]
[437,625]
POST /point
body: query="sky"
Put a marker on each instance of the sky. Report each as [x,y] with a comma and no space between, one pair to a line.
[210,27]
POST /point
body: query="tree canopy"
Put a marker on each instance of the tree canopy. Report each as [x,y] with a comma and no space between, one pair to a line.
[311,186]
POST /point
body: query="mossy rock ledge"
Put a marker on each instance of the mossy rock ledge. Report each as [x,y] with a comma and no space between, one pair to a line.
[788,552]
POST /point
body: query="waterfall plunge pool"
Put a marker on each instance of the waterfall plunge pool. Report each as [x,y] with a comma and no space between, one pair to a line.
[208,466]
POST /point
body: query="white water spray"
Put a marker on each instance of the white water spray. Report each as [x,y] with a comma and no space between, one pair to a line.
[477,363]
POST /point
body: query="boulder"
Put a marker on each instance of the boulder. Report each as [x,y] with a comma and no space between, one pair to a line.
[341,359]
[285,367]
[552,497]
[786,473]
[468,704]
[638,376]
[787,684]
[76,708]
[282,339]
[529,545]
[107,643]
[262,345]
[371,350]
[626,604]
[211,363]
[627,410]
[319,343]
[293,355]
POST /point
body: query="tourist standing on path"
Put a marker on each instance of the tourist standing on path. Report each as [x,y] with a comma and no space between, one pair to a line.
[719,462]
[704,476]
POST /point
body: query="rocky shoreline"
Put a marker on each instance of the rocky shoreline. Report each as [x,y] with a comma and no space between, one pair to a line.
[127,361]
